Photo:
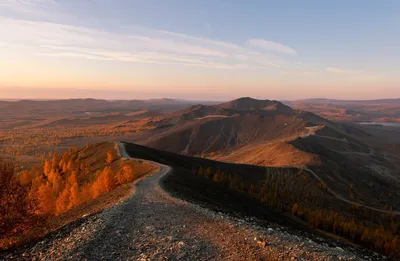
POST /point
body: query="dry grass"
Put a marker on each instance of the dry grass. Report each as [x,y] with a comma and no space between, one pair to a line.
[276,154]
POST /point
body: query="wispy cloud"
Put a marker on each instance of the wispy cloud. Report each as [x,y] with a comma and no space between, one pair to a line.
[26,5]
[342,71]
[35,8]
[271,46]
[133,44]
[46,36]
[356,75]
[143,57]
[205,41]
[310,73]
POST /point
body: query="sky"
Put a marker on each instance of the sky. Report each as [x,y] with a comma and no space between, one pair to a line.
[209,49]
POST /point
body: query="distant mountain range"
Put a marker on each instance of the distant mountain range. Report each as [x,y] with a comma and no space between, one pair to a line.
[381,110]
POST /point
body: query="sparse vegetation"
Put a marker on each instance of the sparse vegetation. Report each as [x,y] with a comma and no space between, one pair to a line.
[37,140]
[305,198]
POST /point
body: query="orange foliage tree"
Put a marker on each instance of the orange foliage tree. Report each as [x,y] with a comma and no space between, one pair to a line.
[60,184]
[110,157]
[105,182]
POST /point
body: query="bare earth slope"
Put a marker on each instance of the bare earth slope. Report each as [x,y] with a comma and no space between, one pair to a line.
[152,225]
[206,129]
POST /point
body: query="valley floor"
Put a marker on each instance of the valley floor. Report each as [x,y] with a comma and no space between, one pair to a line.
[152,225]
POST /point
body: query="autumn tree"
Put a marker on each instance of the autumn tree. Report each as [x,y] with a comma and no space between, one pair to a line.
[47,167]
[74,197]
[56,181]
[25,177]
[105,182]
[55,161]
[46,199]
[110,157]
[108,179]
[62,202]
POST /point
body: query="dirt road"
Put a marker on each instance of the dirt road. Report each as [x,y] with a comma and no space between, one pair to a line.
[152,225]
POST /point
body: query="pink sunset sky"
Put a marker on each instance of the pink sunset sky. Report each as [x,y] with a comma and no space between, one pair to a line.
[203,50]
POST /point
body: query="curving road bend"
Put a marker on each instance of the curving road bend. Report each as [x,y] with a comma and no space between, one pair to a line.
[152,225]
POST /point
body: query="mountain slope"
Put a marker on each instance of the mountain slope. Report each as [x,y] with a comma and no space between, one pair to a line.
[269,133]
[129,230]
[266,192]
[204,129]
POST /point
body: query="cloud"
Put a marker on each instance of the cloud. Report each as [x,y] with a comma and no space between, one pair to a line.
[126,44]
[310,73]
[44,35]
[220,44]
[341,71]
[77,55]
[39,8]
[143,57]
[132,44]
[270,64]
[271,46]
[21,5]
[357,75]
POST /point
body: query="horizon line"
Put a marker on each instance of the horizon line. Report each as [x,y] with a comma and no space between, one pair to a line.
[183,99]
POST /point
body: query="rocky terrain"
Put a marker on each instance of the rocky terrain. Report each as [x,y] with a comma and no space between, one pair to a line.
[153,225]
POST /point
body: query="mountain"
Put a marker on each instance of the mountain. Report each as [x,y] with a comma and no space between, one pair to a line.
[204,129]
[269,133]
[248,104]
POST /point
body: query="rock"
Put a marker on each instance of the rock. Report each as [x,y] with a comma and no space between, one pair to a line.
[339,249]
